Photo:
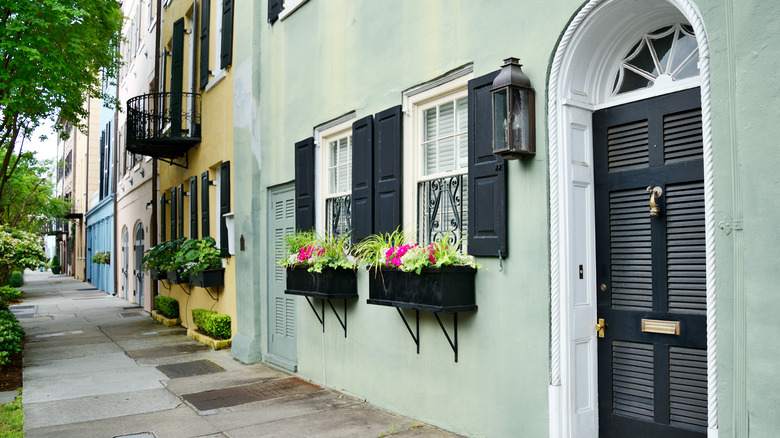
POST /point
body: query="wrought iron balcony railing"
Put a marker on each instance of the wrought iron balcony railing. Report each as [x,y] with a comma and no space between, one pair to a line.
[163,125]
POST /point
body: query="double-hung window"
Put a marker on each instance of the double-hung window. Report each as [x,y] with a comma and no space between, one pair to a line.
[436,198]
[336,181]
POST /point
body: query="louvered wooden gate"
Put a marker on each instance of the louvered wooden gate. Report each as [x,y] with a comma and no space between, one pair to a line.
[281,308]
[651,268]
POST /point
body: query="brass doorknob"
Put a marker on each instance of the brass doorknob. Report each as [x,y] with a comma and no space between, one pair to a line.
[600,326]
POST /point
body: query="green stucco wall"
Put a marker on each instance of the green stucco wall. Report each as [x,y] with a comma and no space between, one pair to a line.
[332,57]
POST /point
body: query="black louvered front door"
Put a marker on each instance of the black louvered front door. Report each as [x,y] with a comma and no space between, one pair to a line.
[651,268]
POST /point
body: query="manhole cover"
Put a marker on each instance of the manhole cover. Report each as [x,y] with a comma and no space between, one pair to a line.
[238,395]
[130,314]
[137,435]
[88,298]
[131,307]
[189,369]
[89,288]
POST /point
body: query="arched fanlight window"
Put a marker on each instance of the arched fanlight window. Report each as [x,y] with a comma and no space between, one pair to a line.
[665,55]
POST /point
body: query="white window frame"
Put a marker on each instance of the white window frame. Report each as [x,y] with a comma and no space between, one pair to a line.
[415,102]
[289,6]
[220,73]
[322,136]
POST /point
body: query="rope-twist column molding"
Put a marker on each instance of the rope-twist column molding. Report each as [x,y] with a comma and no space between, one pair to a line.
[694,18]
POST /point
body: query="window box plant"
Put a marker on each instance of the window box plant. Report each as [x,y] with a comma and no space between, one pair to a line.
[435,278]
[102,258]
[160,258]
[320,267]
[201,262]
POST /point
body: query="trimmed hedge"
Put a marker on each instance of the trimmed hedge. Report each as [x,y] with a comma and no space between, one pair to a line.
[216,325]
[16,279]
[168,306]
[9,294]
[11,335]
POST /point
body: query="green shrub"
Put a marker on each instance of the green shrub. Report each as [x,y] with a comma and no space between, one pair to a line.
[9,294]
[16,280]
[216,325]
[168,306]
[11,335]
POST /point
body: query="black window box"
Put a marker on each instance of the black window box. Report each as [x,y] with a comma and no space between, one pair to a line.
[209,278]
[175,277]
[155,274]
[331,283]
[448,289]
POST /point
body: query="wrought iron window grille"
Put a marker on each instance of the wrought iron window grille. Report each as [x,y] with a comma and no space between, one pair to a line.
[338,215]
[442,209]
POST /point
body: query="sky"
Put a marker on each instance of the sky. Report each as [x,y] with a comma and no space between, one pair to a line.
[46,149]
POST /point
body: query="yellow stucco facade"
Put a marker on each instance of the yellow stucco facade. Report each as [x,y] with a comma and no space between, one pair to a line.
[214,149]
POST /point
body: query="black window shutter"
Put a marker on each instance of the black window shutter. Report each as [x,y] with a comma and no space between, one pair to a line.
[205,18]
[204,204]
[388,140]
[274,9]
[173,213]
[362,178]
[177,76]
[162,218]
[194,207]
[304,184]
[224,206]
[180,208]
[227,33]
[487,212]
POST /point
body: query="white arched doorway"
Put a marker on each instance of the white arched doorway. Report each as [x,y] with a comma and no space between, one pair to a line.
[582,81]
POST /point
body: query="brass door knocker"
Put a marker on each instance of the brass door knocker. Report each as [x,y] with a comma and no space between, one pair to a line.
[654,193]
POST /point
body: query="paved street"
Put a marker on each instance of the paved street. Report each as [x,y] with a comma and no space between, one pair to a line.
[98,366]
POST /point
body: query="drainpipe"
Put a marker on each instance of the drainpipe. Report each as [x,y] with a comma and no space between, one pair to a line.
[83,224]
[114,178]
[157,54]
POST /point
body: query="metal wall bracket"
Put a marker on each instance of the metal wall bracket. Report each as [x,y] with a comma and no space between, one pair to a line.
[321,319]
[454,345]
[415,338]
[453,341]
[172,161]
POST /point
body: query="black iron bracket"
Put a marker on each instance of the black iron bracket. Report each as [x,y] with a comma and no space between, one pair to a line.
[453,341]
[321,319]
[415,338]
[454,345]
[172,161]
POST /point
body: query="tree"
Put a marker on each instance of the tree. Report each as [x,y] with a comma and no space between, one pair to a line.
[27,201]
[52,53]
[19,250]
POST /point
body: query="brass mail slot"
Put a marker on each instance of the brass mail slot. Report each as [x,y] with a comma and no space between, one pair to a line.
[662,327]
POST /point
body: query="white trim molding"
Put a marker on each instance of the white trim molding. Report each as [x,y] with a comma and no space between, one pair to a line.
[581,71]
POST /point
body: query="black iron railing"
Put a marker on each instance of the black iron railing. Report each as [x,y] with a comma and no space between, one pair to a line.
[163,124]
[442,209]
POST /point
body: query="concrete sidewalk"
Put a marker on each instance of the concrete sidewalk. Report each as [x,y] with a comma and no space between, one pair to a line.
[98,366]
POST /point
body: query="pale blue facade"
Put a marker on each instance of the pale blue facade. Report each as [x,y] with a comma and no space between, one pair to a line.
[100,238]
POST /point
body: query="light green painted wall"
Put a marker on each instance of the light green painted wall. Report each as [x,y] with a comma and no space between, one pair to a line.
[745,59]
[332,57]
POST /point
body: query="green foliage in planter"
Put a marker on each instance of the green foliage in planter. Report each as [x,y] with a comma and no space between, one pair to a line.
[216,325]
[11,335]
[168,306]
[102,257]
[315,252]
[162,256]
[55,261]
[196,255]
[16,280]
[9,294]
